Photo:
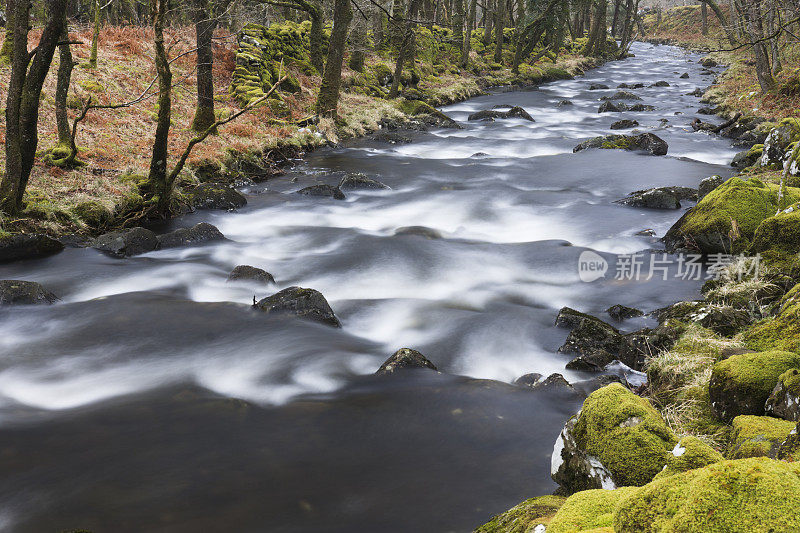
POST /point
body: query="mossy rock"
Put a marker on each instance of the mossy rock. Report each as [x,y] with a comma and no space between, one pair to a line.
[757,494]
[778,141]
[688,454]
[757,436]
[94,214]
[725,221]
[524,517]
[784,401]
[780,232]
[741,384]
[781,332]
[618,439]
[748,158]
[588,509]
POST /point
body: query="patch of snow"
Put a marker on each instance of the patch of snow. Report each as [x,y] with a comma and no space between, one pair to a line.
[556,460]
[540,528]
[677,451]
[599,472]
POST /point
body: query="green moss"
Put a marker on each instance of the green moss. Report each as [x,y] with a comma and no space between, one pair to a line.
[525,516]
[780,232]
[757,436]
[625,432]
[688,454]
[781,332]
[92,86]
[587,509]
[741,384]
[757,494]
[94,214]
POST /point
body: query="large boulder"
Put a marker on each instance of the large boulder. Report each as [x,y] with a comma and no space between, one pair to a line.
[725,221]
[323,190]
[660,197]
[707,185]
[780,232]
[618,439]
[197,234]
[742,383]
[127,242]
[784,401]
[646,142]
[757,436]
[303,303]
[688,454]
[251,273]
[781,331]
[27,246]
[525,517]
[778,141]
[588,510]
[18,292]
[740,495]
[405,358]
[748,158]
[216,196]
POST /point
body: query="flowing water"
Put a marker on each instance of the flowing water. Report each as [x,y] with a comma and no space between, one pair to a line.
[153,398]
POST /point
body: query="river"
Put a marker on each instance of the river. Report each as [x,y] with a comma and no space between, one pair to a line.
[153,398]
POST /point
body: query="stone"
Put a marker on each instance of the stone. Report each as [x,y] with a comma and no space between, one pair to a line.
[624,124]
[251,273]
[708,110]
[198,234]
[778,141]
[708,62]
[707,185]
[360,181]
[784,401]
[688,454]
[528,380]
[748,158]
[564,103]
[403,359]
[757,436]
[660,83]
[491,114]
[623,312]
[525,517]
[646,142]
[598,87]
[323,190]
[216,196]
[126,243]
[587,511]
[303,303]
[684,76]
[660,197]
[622,95]
[18,292]
[419,231]
[15,247]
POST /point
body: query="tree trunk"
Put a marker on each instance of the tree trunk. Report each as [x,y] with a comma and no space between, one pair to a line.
[22,102]
[597,36]
[95,35]
[316,38]
[488,21]
[406,53]
[205,23]
[467,44]
[358,37]
[328,98]
[8,41]
[617,5]
[458,23]
[65,66]
[499,24]
[704,18]
[755,27]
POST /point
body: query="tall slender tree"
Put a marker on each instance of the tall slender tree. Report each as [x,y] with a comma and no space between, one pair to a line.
[328,97]
[207,15]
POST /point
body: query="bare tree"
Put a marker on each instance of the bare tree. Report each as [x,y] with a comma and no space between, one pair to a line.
[328,98]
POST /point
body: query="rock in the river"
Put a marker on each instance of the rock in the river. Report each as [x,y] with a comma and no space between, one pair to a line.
[323,190]
[251,273]
[784,401]
[618,439]
[624,124]
[127,242]
[197,234]
[420,231]
[622,95]
[611,107]
[27,246]
[707,185]
[491,114]
[552,383]
[359,181]
[304,303]
[697,92]
[622,312]
[660,197]
[748,158]
[598,87]
[405,358]
[720,318]
[684,76]
[392,137]
[708,62]
[644,142]
[708,110]
[741,384]
[641,107]
[216,196]
[757,436]
[589,334]
[564,103]
[630,86]
[660,83]
[17,292]
[529,380]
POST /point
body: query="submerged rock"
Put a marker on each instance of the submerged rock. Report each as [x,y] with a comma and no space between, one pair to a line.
[323,190]
[564,103]
[216,196]
[598,87]
[127,242]
[630,85]
[617,439]
[405,358]
[27,246]
[18,292]
[304,303]
[784,401]
[660,83]
[757,436]
[251,273]
[491,114]
[197,234]
[360,181]
[660,197]
[420,231]
[624,124]
[646,142]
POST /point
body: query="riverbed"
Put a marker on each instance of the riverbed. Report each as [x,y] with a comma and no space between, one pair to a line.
[152,397]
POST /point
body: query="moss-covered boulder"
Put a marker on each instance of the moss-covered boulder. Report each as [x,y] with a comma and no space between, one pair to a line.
[789,449]
[748,158]
[778,141]
[524,517]
[14,247]
[645,142]
[588,510]
[784,402]
[741,384]
[781,331]
[757,436]
[756,494]
[780,232]
[618,439]
[725,221]
[688,454]
[216,196]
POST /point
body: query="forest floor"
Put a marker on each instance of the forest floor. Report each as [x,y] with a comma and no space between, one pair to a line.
[115,144]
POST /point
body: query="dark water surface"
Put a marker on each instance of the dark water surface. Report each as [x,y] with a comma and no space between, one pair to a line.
[152,398]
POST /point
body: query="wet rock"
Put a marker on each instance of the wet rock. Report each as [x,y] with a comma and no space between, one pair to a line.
[784,401]
[360,181]
[644,142]
[699,125]
[392,137]
[197,234]
[708,110]
[127,242]
[630,86]
[553,382]
[589,336]
[251,273]
[723,319]
[708,62]
[623,312]
[649,232]
[514,112]
[707,185]
[641,107]
[528,380]
[660,197]
[420,231]
[598,87]
[684,76]
[660,83]
[618,439]
[323,190]
[624,124]
[748,158]
[17,292]
[27,246]
[588,386]
[593,361]
[570,318]
[564,103]
[216,196]
[405,358]
[757,436]
[611,107]
[297,301]
[697,92]
[627,376]
[621,95]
